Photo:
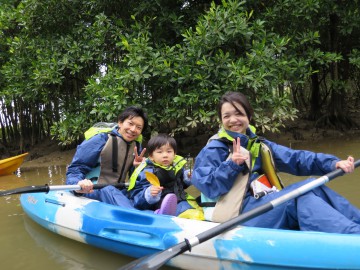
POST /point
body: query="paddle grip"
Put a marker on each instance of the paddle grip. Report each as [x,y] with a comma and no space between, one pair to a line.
[117,185]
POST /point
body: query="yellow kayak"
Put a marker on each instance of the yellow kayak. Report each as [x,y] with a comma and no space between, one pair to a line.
[10,165]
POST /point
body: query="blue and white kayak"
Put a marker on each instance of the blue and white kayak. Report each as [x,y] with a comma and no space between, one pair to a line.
[139,233]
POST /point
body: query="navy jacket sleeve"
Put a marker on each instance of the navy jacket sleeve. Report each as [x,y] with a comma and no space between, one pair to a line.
[86,158]
[301,162]
[137,194]
[213,175]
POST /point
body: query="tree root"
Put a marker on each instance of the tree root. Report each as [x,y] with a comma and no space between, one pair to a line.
[338,122]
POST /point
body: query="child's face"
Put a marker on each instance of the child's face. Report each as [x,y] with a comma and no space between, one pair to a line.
[164,155]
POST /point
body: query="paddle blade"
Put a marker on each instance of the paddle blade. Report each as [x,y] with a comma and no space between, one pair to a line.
[152,178]
[155,261]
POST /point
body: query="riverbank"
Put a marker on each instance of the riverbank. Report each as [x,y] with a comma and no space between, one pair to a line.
[49,153]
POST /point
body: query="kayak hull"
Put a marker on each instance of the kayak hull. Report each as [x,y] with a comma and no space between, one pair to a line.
[10,165]
[139,233]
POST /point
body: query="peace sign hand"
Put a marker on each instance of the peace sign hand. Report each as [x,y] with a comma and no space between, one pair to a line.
[138,158]
[237,156]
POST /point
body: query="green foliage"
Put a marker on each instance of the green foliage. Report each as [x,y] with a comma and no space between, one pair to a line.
[354,58]
[225,51]
[69,130]
[75,63]
[322,32]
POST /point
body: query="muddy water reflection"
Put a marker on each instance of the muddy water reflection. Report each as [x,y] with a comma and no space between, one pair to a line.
[347,185]
[26,245]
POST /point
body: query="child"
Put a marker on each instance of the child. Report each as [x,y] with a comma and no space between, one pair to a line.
[169,197]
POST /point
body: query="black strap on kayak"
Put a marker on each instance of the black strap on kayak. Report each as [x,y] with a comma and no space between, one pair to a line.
[204,204]
[114,153]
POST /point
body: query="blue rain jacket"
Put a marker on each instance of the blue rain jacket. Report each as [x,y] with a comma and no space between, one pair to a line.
[318,210]
[85,160]
[87,157]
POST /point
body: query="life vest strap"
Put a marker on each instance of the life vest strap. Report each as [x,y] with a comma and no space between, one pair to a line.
[204,204]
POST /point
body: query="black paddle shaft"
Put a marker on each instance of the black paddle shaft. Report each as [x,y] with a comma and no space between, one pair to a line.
[28,189]
[46,188]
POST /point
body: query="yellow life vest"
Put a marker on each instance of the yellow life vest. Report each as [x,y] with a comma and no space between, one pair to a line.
[229,205]
[268,167]
[178,163]
[194,213]
[256,146]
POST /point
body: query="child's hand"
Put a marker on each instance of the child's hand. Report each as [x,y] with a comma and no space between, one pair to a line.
[154,190]
[187,177]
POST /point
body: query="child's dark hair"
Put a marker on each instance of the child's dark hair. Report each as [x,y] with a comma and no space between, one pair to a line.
[131,112]
[240,98]
[160,140]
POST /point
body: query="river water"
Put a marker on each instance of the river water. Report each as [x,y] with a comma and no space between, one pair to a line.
[26,245]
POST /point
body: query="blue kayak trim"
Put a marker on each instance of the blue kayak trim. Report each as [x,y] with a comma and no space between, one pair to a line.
[138,233]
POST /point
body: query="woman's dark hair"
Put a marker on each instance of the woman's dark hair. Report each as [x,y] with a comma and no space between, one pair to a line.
[131,112]
[160,140]
[236,97]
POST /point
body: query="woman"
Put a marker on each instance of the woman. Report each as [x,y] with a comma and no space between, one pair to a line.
[115,153]
[230,167]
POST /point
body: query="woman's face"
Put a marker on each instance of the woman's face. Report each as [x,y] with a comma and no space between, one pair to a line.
[232,119]
[130,129]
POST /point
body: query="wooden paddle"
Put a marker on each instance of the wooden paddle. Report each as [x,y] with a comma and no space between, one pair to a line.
[46,188]
[155,261]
